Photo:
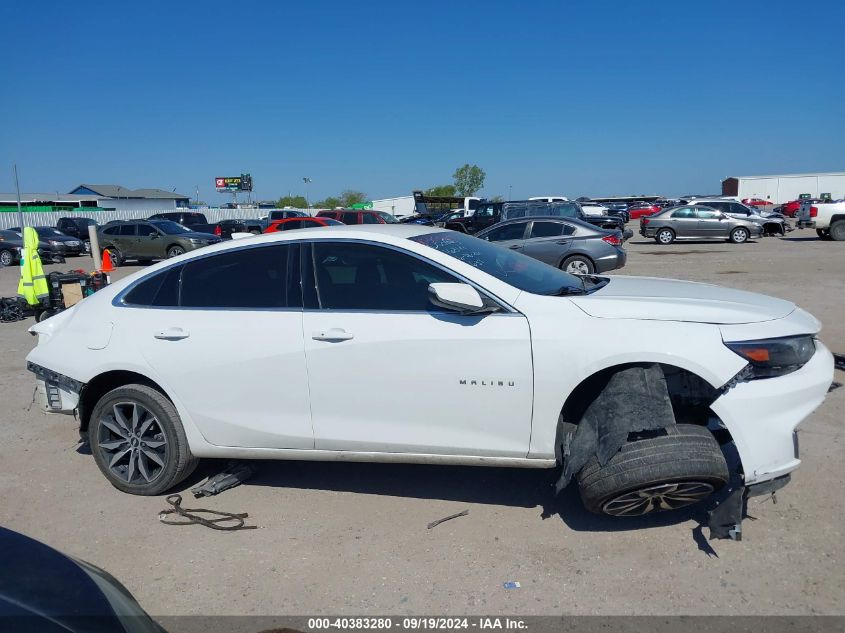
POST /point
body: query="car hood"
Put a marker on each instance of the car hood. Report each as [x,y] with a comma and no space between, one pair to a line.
[651,298]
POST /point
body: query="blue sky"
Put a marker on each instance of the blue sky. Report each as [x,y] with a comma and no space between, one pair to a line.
[573,98]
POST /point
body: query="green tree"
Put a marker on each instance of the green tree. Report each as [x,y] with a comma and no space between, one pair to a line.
[350,197]
[329,203]
[441,190]
[468,179]
[297,202]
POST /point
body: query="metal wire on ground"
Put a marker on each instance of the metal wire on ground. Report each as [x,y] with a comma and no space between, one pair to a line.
[192,518]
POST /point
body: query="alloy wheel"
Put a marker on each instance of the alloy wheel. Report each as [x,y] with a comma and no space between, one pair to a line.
[578,267]
[5,258]
[133,442]
[740,236]
[657,498]
[175,251]
[664,237]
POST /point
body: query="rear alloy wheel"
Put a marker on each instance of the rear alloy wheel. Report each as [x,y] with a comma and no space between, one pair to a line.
[138,441]
[837,231]
[823,234]
[115,256]
[6,257]
[739,235]
[578,265]
[665,236]
[175,251]
[659,473]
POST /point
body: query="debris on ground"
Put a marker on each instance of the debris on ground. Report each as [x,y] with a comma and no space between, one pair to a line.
[191,516]
[839,361]
[448,518]
[234,474]
[511,584]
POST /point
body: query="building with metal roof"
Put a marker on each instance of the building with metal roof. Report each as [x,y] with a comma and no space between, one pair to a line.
[785,187]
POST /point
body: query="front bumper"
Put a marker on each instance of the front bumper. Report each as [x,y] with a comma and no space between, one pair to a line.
[762,416]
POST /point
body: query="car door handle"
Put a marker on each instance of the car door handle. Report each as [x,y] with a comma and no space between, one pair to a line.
[334,334]
[172,334]
[563,241]
[515,246]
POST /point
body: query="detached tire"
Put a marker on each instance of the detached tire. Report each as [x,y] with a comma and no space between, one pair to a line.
[138,441]
[666,472]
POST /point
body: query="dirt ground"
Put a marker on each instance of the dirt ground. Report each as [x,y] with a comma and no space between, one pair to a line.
[352,539]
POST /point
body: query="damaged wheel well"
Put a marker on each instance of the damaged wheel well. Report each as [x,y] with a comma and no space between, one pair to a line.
[101,385]
[690,394]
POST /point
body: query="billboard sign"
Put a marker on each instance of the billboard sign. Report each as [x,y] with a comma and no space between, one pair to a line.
[232,184]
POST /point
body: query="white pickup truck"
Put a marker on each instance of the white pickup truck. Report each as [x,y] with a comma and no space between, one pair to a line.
[829,220]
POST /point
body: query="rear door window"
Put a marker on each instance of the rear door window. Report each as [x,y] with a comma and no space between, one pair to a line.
[349,218]
[551,229]
[248,278]
[145,230]
[369,218]
[159,291]
[515,231]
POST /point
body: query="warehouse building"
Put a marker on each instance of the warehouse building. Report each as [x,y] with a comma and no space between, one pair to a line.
[120,198]
[786,187]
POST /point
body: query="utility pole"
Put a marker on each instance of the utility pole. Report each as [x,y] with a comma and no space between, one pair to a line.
[18,188]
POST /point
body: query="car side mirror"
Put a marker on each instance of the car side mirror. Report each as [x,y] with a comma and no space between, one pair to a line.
[155,236]
[456,297]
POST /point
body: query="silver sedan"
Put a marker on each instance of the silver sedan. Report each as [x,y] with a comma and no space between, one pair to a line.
[697,222]
[571,245]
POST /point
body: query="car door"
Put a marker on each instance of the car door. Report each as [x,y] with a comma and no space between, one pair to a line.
[548,240]
[149,244]
[224,335]
[483,217]
[127,242]
[711,223]
[389,372]
[684,222]
[510,236]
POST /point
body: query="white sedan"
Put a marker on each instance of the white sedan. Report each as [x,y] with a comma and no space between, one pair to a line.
[410,344]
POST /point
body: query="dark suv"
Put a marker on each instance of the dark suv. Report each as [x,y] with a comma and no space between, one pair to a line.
[76,227]
[147,240]
[359,216]
[490,213]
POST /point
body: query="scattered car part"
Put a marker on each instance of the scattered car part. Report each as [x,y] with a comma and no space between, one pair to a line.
[235,473]
[434,524]
[192,517]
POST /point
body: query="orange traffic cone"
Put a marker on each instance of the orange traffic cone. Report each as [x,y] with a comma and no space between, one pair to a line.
[108,267]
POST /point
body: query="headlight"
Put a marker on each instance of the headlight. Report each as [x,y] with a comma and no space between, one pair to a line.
[776,356]
[194,241]
[53,243]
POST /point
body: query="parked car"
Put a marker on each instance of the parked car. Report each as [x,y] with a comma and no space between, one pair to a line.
[225,228]
[616,208]
[191,220]
[284,214]
[42,589]
[520,362]
[300,223]
[14,237]
[643,210]
[52,241]
[489,213]
[571,245]
[148,240]
[697,222]
[10,248]
[757,202]
[77,227]
[772,225]
[790,209]
[827,218]
[358,216]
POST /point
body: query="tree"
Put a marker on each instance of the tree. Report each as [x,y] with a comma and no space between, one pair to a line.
[350,197]
[497,199]
[441,190]
[468,179]
[297,202]
[328,203]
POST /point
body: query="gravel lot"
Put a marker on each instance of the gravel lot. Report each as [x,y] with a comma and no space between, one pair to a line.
[351,538]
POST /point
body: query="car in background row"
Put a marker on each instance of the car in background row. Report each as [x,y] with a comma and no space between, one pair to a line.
[697,222]
[790,209]
[191,220]
[148,240]
[358,216]
[284,214]
[10,248]
[571,245]
[225,228]
[489,213]
[643,209]
[78,228]
[757,202]
[772,224]
[291,224]
[58,243]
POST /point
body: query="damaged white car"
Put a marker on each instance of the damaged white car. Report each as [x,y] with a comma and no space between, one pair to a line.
[408,344]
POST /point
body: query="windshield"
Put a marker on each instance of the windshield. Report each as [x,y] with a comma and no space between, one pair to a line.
[389,219]
[169,228]
[513,268]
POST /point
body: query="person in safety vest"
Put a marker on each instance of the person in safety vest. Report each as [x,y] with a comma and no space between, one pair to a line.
[33,284]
